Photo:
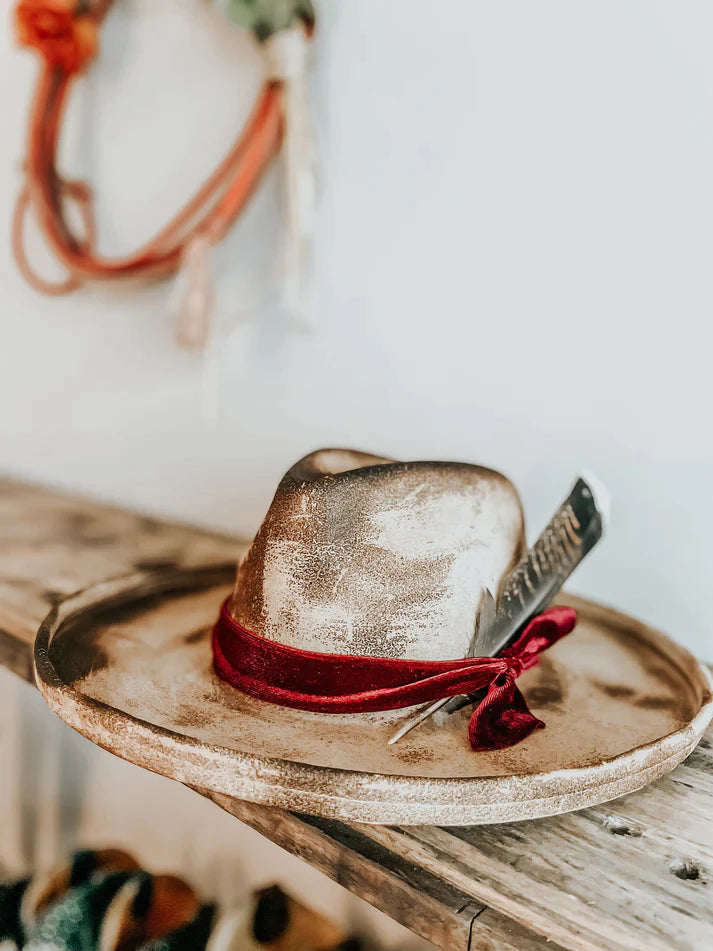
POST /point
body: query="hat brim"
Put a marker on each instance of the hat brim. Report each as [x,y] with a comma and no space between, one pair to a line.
[128,665]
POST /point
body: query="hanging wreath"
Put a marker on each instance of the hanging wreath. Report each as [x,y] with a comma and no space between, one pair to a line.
[66,35]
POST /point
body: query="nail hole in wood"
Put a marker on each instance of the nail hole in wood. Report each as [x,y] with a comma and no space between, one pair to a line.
[618,826]
[685,869]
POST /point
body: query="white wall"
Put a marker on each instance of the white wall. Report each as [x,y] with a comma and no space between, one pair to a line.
[513,267]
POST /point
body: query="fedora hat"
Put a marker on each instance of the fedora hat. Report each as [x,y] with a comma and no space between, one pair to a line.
[362,590]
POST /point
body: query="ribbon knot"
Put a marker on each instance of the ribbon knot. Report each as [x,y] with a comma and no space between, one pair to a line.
[515,667]
[340,683]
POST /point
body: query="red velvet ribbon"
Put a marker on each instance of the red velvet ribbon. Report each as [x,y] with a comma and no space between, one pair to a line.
[341,683]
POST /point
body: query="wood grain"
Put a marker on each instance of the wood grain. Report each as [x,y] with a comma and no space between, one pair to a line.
[422,900]
[634,875]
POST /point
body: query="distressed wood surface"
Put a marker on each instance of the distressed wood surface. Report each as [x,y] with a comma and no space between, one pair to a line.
[636,874]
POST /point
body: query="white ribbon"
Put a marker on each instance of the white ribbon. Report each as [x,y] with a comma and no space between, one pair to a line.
[193,298]
[286,53]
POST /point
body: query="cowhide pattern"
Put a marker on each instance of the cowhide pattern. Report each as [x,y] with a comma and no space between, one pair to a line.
[103,901]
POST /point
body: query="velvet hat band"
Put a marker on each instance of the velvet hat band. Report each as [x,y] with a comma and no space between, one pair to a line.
[341,683]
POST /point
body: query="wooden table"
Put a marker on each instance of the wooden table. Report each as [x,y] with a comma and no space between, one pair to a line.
[636,874]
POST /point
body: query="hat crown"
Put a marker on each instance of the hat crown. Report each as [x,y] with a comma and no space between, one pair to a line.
[363,555]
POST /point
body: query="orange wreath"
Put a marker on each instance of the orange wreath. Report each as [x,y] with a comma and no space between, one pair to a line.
[65,33]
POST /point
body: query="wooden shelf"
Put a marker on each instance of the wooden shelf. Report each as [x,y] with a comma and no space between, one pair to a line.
[635,874]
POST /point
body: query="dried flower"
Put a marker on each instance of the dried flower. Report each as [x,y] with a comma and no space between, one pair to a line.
[67,40]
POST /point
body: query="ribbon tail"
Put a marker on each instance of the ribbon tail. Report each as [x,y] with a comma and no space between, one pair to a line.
[193,298]
[502,718]
[287,63]
[300,199]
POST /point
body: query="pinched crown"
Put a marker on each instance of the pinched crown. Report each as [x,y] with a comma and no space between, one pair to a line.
[363,555]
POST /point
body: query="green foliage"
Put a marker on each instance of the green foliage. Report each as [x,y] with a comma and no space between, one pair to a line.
[265,17]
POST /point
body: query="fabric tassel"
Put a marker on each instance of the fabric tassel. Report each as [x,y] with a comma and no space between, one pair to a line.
[193,300]
[286,53]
